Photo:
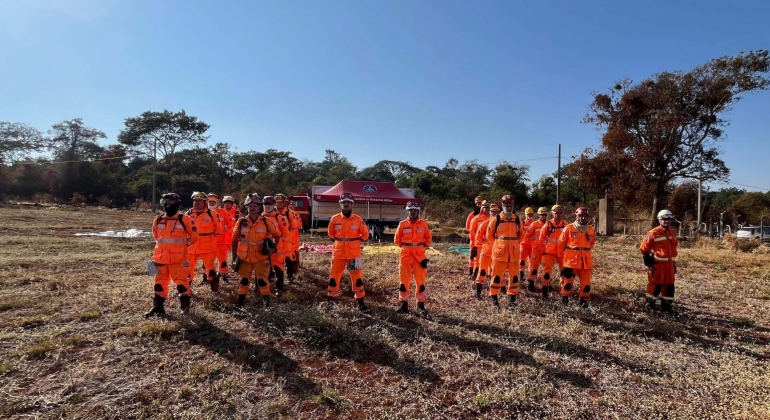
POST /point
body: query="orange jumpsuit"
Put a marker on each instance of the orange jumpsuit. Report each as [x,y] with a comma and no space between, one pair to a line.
[475,222]
[207,225]
[412,237]
[468,220]
[223,240]
[485,252]
[170,255]
[505,252]
[347,233]
[576,247]
[284,245]
[532,238]
[525,247]
[660,277]
[549,236]
[292,247]
[250,236]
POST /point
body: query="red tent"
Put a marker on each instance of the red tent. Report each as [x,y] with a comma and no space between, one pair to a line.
[366,191]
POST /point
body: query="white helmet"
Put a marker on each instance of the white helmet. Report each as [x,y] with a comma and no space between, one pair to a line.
[228,198]
[412,205]
[665,214]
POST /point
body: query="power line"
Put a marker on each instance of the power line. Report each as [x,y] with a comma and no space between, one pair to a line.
[743,185]
[75,161]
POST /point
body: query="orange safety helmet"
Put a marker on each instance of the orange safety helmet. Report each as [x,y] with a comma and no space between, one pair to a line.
[507,199]
[581,210]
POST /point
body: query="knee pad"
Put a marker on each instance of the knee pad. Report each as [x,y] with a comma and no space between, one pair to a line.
[359,283]
[587,289]
[483,272]
[658,287]
[568,287]
[158,287]
[534,272]
[546,276]
[496,280]
[670,290]
[567,272]
[515,279]
[212,273]
[223,264]
[422,288]
[522,263]
[261,282]
[332,283]
[402,288]
[181,289]
[244,281]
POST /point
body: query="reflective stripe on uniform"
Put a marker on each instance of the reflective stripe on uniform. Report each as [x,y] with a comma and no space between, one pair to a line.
[508,238]
[551,241]
[171,240]
[664,259]
[347,239]
[578,248]
[660,238]
[411,244]
[205,234]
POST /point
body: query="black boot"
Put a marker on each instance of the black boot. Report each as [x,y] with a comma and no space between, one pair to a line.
[475,274]
[666,309]
[511,301]
[241,300]
[403,309]
[421,308]
[650,304]
[478,290]
[203,279]
[470,273]
[583,303]
[278,281]
[157,307]
[331,302]
[545,291]
[225,278]
[531,286]
[184,304]
[362,307]
[214,283]
[565,300]
[266,301]
[495,302]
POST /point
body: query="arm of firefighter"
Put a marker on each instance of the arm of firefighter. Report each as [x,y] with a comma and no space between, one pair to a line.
[155,228]
[192,235]
[274,230]
[234,239]
[218,230]
[490,234]
[330,228]
[398,237]
[562,242]
[428,240]
[363,230]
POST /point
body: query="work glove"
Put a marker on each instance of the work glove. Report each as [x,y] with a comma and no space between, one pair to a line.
[474,252]
[236,264]
[152,269]
[648,260]
[356,264]
[424,263]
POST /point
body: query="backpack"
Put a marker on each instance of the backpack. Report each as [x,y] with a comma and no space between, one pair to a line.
[180,219]
[515,220]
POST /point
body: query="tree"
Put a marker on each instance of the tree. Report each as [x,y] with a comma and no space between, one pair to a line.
[72,141]
[509,178]
[752,208]
[18,140]
[667,127]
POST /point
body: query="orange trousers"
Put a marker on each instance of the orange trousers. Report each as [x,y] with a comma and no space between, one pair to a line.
[485,268]
[175,272]
[260,270]
[498,272]
[406,271]
[660,280]
[534,265]
[208,263]
[525,253]
[548,261]
[568,283]
[222,251]
[335,275]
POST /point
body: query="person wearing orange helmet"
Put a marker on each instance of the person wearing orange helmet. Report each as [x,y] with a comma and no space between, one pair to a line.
[485,246]
[472,256]
[347,230]
[295,224]
[250,257]
[549,236]
[223,240]
[207,224]
[278,259]
[476,248]
[504,232]
[659,252]
[413,237]
[525,247]
[575,244]
[532,237]
[173,232]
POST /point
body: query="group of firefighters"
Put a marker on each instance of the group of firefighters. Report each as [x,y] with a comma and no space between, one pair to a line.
[265,245]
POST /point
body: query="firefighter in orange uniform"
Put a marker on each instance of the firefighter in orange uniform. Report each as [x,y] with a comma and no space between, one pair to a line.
[659,251]
[575,243]
[172,232]
[278,258]
[475,222]
[295,224]
[473,252]
[292,268]
[233,215]
[223,240]
[347,230]
[485,246]
[504,231]
[413,237]
[525,247]
[247,243]
[533,239]
[207,224]
[549,236]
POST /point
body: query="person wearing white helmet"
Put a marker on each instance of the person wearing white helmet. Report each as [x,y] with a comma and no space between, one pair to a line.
[413,237]
[575,244]
[503,232]
[347,230]
[659,252]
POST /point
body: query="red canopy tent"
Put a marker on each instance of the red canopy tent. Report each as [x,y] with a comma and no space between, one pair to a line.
[366,191]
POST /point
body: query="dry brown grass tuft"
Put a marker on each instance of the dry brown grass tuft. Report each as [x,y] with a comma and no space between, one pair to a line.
[73,342]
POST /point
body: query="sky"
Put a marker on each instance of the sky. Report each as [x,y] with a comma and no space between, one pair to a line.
[414,81]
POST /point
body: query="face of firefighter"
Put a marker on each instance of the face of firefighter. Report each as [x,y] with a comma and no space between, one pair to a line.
[666,223]
[494,212]
[558,214]
[269,208]
[582,219]
[346,206]
[530,216]
[414,214]
[508,208]
[253,210]
[543,217]
[213,204]
[171,207]
[199,205]
[280,204]
[228,205]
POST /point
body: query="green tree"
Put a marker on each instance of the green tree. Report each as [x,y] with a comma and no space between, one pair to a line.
[72,142]
[751,208]
[18,141]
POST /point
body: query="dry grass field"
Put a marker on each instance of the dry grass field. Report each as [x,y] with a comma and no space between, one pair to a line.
[74,344]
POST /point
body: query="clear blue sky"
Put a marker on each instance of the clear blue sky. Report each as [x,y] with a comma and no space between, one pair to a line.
[417,81]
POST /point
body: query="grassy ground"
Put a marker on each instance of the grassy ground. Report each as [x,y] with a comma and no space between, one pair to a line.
[73,343]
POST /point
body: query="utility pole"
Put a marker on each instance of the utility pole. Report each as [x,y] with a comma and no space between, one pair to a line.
[154,169]
[558,178]
[700,192]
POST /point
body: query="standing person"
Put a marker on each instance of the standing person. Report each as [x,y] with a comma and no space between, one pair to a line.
[476,248]
[292,264]
[549,237]
[172,232]
[525,247]
[347,230]
[575,243]
[295,224]
[532,237]
[472,256]
[233,214]
[413,237]
[485,253]
[247,242]
[223,239]
[278,258]
[504,231]
[207,224]
[659,251]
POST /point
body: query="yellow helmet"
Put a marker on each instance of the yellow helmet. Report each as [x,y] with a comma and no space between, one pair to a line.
[485,203]
[529,210]
[556,208]
[542,210]
[198,196]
